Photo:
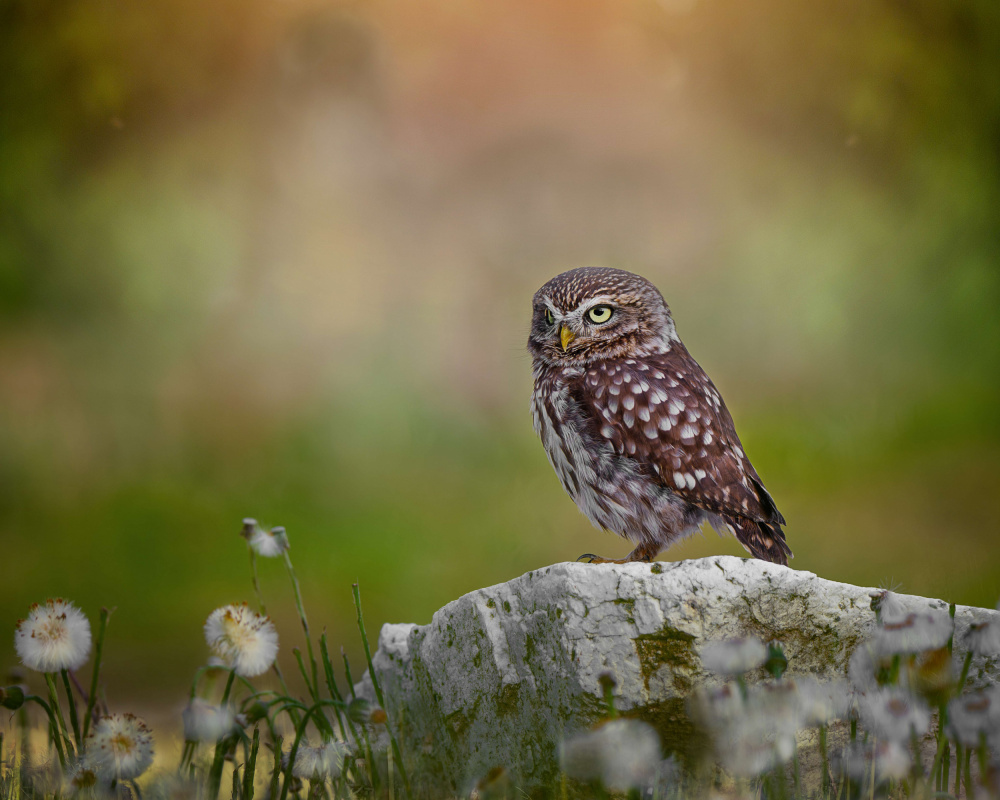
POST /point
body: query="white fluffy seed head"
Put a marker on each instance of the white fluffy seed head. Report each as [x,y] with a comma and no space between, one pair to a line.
[973,716]
[205,722]
[268,544]
[245,640]
[914,633]
[983,638]
[321,761]
[895,715]
[119,748]
[54,637]
[622,754]
[734,656]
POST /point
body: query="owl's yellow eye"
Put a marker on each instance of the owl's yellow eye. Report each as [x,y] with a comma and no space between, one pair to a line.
[599,314]
[548,317]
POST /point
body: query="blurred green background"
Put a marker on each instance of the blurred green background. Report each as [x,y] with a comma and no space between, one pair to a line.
[275,259]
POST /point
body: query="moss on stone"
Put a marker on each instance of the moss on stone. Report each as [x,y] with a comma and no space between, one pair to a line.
[668,647]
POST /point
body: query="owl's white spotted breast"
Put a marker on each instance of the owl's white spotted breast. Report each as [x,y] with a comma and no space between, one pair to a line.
[610,490]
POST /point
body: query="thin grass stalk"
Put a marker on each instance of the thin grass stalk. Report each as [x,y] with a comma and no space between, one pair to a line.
[305,622]
[965,673]
[871,795]
[331,685]
[378,691]
[825,760]
[250,770]
[73,718]
[102,628]
[237,783]
[958,768]
[946,767]
[313,690]
[968,771]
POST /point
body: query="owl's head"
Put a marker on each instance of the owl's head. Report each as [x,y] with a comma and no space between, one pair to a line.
[594,313]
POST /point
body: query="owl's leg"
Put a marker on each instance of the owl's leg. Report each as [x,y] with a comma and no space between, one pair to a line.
[644,552]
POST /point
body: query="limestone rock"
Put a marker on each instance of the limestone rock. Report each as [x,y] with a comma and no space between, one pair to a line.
[500,676]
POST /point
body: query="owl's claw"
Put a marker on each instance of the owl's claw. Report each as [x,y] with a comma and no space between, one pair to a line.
[590,558]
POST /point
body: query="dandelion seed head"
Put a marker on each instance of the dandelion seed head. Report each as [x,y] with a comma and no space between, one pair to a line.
[895,715]
[974,715]
[888,605]
[119,748]
[821,702]
[914,633]
[622,753]
[54,637]
[983,638]
[734,656]
[205,722]
[320,761]
[266,543]
[243,639]
[81,778]
[855,762]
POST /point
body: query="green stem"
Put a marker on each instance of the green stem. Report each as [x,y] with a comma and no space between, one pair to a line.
[53,726]
[331,685]
[305,623]
[378,692]
[73,719]
[250,769]
[221,747]
[256,583]
[50,681]
[299,733]
[276,770]
[98,652]
[958,768]
[825,760]
[313,693]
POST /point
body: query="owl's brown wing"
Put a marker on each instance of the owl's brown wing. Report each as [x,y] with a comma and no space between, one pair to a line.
[664,413]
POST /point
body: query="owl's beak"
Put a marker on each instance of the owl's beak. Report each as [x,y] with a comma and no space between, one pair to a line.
[566,336]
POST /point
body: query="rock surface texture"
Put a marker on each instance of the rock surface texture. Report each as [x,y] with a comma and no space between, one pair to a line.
[500,676]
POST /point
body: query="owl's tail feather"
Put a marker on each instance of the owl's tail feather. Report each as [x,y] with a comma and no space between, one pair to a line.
[762,540]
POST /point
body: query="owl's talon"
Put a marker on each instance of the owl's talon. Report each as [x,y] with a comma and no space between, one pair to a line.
[592,559]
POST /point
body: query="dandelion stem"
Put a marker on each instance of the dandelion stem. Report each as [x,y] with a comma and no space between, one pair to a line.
[50,681]
[958,768]
[98,651]
[229,687]
[256,583]
[946,768]
[331,685]
[378,690]
[73,719]
[53,727]
[825,759]
[942,743]
[305,624]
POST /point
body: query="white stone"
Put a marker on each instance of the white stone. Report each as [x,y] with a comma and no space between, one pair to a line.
[502,675]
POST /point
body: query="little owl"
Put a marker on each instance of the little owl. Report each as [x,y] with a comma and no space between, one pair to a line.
[635,430]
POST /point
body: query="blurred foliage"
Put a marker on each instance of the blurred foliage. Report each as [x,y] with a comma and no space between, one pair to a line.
[275,260]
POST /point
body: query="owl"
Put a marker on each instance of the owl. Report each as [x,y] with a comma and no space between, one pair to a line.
[634,428]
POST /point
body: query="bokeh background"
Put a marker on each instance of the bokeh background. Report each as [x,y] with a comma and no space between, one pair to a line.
[275,259]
